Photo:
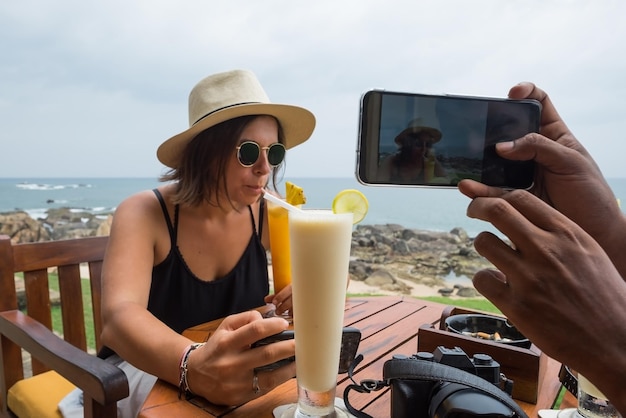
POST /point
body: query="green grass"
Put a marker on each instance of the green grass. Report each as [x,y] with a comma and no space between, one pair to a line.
[57,324]
[480,304]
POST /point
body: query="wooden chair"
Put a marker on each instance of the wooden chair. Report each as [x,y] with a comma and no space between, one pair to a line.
[103,384]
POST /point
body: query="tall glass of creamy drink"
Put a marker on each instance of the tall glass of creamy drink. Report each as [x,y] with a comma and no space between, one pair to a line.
[320,257]
[592,403]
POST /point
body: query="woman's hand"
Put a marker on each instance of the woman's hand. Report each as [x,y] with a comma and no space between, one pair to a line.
[222,370]
[281,300]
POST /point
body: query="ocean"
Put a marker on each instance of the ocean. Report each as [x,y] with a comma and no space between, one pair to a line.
[427,209]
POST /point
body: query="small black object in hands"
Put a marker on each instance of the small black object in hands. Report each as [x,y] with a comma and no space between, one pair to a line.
[351,337]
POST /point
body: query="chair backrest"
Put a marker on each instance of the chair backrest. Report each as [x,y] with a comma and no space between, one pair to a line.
[39,263]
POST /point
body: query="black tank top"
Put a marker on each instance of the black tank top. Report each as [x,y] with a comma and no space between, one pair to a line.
[181,300]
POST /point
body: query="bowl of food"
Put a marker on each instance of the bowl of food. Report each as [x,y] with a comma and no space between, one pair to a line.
[487,327]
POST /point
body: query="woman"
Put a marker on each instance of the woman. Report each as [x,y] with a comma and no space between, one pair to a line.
[193,250]
[415,161]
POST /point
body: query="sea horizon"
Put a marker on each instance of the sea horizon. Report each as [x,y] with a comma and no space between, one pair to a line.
[434,209]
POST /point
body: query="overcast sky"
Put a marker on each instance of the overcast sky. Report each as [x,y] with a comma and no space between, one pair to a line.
[90,89]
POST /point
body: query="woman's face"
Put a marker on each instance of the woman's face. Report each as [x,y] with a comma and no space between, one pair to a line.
[245,184]
[418,144]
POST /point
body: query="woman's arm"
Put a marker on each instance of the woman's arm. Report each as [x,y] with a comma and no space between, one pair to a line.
[137,232]
[222,369]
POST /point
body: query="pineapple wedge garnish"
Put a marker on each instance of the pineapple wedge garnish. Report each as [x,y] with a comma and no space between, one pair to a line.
[295,194]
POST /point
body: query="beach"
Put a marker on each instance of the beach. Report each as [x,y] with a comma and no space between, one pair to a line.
[357,287]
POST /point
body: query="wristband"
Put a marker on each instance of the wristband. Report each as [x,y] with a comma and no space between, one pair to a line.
[183,386]
[568,380]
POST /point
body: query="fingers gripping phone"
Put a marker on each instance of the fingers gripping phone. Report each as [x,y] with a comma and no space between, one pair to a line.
[350,339]
[426,140]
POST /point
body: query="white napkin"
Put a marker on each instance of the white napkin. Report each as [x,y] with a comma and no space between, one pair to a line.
[555,413]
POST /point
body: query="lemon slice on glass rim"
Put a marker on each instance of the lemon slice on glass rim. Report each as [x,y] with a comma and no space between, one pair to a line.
[351,201]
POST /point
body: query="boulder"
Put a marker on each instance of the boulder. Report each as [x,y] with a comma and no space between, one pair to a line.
[380,277]
[386,281]
[22,228]
[61,223]
[467,292]
[104,229]
[381,254]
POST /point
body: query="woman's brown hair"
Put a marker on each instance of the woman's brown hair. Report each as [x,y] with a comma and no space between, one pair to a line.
[202,168]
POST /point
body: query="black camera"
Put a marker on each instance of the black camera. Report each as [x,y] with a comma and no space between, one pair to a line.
[448,383]
[481,365]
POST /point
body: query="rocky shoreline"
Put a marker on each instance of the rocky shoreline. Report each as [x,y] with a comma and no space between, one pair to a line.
[61,223]
[387,259]
[395,259]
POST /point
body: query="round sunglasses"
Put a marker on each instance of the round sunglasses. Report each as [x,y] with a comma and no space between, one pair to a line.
[248,153]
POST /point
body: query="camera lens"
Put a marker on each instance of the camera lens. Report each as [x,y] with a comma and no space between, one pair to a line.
[454,400]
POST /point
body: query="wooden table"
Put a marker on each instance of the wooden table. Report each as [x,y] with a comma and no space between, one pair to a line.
[388,324]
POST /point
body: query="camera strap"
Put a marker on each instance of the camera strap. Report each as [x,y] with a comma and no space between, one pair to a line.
[407,369]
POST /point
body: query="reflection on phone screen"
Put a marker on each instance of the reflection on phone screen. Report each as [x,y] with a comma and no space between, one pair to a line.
[411,139]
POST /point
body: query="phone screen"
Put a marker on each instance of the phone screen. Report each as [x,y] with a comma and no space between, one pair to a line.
[425,140]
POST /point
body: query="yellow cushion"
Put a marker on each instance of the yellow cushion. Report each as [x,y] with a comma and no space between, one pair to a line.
[38,396]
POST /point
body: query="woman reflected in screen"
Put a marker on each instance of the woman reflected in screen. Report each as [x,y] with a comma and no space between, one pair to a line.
[415,161]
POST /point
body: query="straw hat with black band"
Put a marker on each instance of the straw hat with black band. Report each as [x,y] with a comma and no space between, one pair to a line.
[223,96]
[414,128]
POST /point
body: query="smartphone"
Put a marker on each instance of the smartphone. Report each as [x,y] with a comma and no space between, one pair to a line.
[416,139]
[350,339]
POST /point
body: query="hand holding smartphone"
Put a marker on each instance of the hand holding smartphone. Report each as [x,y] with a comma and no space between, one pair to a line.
[350,339]
[415,139]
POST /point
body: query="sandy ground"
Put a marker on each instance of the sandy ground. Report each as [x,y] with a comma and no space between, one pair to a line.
[416,289]
[361,288]
[84,271]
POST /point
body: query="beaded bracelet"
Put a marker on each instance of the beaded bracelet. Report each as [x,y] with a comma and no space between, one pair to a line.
[183,386]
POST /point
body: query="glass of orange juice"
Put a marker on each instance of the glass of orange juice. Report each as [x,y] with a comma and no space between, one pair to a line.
[278,220]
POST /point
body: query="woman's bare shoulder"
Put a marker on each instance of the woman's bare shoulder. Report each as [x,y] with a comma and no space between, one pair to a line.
[142,207]
[141,200]
[139,228]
